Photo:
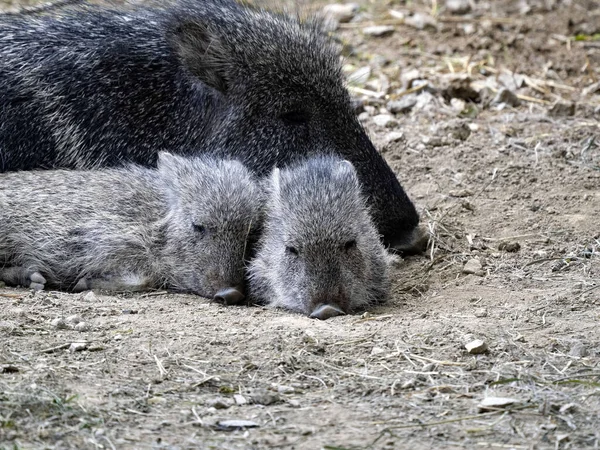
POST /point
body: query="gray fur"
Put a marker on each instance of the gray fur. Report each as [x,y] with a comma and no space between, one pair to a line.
[182,226]
[88,87]
[319,252]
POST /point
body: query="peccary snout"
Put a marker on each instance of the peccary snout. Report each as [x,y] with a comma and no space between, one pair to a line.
[326,311]
[319,253]
[229,296]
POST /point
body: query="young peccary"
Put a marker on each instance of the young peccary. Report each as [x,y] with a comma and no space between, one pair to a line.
[182,226]
[88,87]
[319,253]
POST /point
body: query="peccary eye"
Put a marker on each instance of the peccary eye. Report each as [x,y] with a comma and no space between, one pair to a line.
[200,229]
[296,117]
[350,245]
[292,250]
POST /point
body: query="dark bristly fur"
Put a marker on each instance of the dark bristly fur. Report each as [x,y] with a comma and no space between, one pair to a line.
[92,87]
[182,226]
[319,245]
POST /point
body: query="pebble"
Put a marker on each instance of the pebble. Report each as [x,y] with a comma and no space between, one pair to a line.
[90,297]
[408,77]
[397,14]
[219,403]
[394,136]
[341,12]
[492,403]
[81,326]
[384,120]
[264,398]
[282,389]
[234,424]
[578,350]
[480,312]
[74,319]
[473,266]
[378,30]
[458,104]
[377,351]
[511,247]
[476,347]
[421,21]
[506,96]
[59,323]
[458,7]
[239,399]
[404,105]
[561,109]
[78,346]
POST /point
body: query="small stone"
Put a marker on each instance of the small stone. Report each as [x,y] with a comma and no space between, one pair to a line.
[421,21]
[377,351]
[458,7]
[78,346]
[408,77]
[404,105]
[561,109]
[219,403]
[341,12]
[239,399]
[363,116]
[282,389]
[60,324]
[461,193]
[506,96]
[294,403]
[156,401]
[90,297]
[480,312]
[384,120]
[578,350]
[399,15]
[432,141]
[473,266]
[493,403]
[235,424]
[476,347]
[378,30]
[265,398]
[394,136]
[458,104]
[511,247]
[74,319]
[81,326]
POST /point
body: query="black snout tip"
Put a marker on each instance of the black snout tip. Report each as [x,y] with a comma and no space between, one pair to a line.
[229,296]
[324,312]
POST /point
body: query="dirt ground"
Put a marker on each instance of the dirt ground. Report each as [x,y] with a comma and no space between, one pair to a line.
[514,191]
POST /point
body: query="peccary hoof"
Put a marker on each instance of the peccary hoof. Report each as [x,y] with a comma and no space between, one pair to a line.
[229,296]
[324,312]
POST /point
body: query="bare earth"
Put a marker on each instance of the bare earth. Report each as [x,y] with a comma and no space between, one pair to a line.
[168,371]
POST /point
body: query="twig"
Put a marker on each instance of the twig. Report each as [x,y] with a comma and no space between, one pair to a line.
[54,349]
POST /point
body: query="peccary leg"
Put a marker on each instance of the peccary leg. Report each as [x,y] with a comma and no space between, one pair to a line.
[21,276]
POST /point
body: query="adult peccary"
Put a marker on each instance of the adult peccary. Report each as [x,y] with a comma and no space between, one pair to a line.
[94,87]
[320,253]
[181,226]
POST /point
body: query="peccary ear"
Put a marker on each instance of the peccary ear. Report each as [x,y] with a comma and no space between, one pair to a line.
[169,165]
[203,54]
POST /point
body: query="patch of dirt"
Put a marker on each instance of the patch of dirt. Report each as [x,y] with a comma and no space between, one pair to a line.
[514,187]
